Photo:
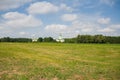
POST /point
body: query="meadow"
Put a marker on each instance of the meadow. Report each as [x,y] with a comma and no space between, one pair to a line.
[59,61]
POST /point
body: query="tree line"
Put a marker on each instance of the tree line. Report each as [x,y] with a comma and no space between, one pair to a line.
[93,39]
[40,39]
[78,39]
[8,39]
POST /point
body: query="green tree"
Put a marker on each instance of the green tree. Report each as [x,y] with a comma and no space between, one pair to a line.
[48,39]
[40,39]
[5,39]
[99,39]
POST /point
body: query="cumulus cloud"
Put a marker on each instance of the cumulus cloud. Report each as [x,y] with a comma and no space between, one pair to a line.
[87,30]
[85,26]
[107,2]
[115,26]
[21,24]
[65,7]
[13,15]
[47,7]
[22,33]
[56,27]
[8,4]
[104,20]
[42,8]
[94,28]
[1,28]
[106,30]
[69,17]
[19,20]
[110,28]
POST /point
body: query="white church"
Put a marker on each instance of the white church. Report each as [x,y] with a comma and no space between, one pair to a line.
[60,39]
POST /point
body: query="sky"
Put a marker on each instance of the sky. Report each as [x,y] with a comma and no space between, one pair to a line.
[44,18]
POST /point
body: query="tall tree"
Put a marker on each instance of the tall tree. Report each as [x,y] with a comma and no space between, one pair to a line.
[40,39]
[48,39]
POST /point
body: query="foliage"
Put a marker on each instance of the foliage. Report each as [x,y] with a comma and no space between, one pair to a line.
[93,39]
[114,39]
[78,39]
[70,40]
[8,39]
[40,39]
[48,39]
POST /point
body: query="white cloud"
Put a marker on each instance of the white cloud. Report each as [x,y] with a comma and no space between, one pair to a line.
[87,30]
[14,15]
[65,7]
[33,35]
[107,2]
[106,30]
[42,8]
[19,20]
[115,26]
[8,4]
[22,33]
[1,28]
[104,20]
[69,17]
[84,25]
[110,28]
[56,27]
[47,7]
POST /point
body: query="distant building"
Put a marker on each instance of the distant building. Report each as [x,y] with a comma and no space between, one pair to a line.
[34,40]
[60,39]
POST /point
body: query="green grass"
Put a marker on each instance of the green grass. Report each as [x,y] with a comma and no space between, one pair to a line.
[59,61]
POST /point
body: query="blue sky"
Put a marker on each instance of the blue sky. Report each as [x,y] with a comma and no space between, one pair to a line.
[43,18]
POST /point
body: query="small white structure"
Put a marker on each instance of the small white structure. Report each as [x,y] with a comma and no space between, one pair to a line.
[34,40]
[60,39]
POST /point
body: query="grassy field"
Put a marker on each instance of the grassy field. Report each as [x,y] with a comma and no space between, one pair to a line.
[53,61]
